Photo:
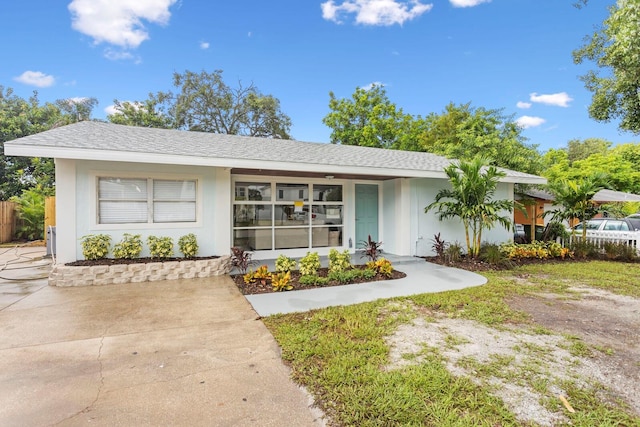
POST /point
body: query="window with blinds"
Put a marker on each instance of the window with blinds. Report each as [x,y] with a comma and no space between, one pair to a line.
[140,200]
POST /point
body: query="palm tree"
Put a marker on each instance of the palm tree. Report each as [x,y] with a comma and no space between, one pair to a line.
[473,185]
[576,199]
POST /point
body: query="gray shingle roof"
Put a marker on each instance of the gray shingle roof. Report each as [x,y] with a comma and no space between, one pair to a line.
[603,196]
[85,139]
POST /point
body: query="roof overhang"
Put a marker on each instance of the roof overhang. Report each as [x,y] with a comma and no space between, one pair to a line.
[245,165]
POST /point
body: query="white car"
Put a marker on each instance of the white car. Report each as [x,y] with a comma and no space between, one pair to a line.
[609,224]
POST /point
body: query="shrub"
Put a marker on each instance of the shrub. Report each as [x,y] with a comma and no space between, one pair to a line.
[30,207]
[129,247]
[453,252]
[491,253]
[309,264]
[241,259]
[281,281]
[537,249]
[284,264]
[160,247]
[620,251]
[553,230]
[339,261]
[95,246]
[584,250]
[368,273]
[261,274]
[188,245]
[344,276]
[371,248]
[381,266]
[313,280]
[439,245]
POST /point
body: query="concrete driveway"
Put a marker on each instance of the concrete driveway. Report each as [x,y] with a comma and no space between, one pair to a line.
[166,353]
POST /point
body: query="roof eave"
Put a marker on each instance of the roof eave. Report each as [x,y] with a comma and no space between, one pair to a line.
[13,149]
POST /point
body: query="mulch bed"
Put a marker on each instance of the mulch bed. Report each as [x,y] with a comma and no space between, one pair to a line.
[147,260]
[471,264]
[258,288]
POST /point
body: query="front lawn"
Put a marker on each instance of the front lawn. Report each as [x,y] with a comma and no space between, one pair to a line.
[477,356]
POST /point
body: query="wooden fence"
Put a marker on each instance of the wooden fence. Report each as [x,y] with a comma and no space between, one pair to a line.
[7,221]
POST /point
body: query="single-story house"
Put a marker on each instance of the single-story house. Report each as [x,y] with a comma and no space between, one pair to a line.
[272,196]
[540,201]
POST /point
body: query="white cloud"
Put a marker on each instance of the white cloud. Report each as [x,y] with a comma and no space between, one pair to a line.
[204,45]
[375,12]
[526,122]
[560,99]
[118,22]
[35,78]
[467,3]
[523,105]
[371,85]
[111,109]
[117,55]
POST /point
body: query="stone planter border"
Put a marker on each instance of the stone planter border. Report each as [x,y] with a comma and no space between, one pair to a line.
[64,275]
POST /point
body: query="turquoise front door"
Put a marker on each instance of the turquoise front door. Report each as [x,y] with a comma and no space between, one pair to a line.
[366,213]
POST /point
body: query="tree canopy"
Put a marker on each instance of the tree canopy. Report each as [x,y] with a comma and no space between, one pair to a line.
[583,159]
[204,102]
[369,119]
[463,132]
[615,50]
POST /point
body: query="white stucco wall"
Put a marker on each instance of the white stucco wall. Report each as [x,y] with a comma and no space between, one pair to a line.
[425,225]
[76,206]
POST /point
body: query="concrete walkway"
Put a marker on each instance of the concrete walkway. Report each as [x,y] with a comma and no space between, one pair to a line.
[179,353]
[422,277]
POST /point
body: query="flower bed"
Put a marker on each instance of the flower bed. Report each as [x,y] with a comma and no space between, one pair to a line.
[93,274]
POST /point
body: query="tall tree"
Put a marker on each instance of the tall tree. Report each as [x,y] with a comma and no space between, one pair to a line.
[369,119]
[615,50]
[149,113]
[21,117]
[205,103]
[464,132]
[582,149]
[471,198]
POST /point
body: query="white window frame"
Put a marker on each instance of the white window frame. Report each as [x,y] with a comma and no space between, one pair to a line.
[150,177]
[273,202]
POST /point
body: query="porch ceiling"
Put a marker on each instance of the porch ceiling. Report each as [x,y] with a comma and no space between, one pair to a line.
[303,174]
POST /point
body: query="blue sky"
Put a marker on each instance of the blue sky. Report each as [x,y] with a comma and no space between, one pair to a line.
[510,54]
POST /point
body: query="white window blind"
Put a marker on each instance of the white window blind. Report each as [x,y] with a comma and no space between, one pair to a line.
[139,200]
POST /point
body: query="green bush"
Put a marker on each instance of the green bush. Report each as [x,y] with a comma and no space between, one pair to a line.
[313,280]
[619,251]
[339,261]
[188,245]
[284,264]
[491,254]
[453,252]
[344,276]
[584,250]
[30,207]
[368,273]
[309,264]
[129,247]
[95,246]
[160,247]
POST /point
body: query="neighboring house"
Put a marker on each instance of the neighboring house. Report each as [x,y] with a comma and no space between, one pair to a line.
[269,195]
[539,201]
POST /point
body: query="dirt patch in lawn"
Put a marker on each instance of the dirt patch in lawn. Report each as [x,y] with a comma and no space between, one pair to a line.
[263,288]
[528,368]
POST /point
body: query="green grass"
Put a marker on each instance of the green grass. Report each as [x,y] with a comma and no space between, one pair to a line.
[340,354]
